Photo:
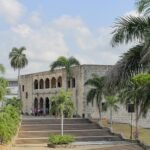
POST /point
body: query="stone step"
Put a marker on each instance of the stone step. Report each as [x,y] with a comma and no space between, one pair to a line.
[98,132]
[58,126]
[42,140]
[54,121]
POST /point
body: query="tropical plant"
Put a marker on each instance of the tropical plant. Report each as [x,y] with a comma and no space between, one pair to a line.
[2,68]
[62,102]
[3,83]
[9,121]
[18,60]
[96,91]
[58,139]
[111,103]
[67,63]
[138,95]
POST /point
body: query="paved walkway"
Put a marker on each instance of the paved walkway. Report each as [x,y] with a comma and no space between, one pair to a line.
[85,147]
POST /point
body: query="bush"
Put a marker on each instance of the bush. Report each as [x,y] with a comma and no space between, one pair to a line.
[9,121]
[58,139]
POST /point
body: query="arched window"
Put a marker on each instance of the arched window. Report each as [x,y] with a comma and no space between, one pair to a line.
[47,83]
[36,84]
[53,82]
[59,82]
[73,82]
[41,84]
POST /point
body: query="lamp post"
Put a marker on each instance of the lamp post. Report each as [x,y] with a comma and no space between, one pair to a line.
[131,110]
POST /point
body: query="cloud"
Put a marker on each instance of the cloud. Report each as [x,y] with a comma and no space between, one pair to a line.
[22,29]
[65,35]
[132,13]
[11,10]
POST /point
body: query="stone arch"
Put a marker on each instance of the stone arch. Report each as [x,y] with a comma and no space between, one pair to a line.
[59,82]
[36,84]
[47,83]
[47,105]
[53,82]
[41,83]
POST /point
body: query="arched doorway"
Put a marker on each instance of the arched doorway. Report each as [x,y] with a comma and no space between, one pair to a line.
[36,106]
[41,107]
[47,103]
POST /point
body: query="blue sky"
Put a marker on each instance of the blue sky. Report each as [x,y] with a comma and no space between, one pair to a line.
[49,28]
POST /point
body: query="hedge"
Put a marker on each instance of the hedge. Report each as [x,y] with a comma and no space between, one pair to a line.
[9,122]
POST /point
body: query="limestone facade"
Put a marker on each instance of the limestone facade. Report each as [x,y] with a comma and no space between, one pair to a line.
[38,88]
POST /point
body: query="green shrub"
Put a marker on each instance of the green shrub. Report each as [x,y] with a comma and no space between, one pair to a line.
[9,121]
[58,139]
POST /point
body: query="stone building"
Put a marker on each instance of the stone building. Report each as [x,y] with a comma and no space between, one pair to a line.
[38,88]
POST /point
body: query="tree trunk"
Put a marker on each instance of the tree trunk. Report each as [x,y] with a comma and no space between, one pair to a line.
[19,86]
[99,109]
[111,118]
[62,123]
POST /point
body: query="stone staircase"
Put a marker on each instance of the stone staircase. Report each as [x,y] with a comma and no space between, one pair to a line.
[37,130]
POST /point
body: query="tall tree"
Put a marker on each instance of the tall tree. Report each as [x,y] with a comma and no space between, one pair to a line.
[18,60]
[111,103]
[67,63]
[139,95]
[96,91]
[62,102]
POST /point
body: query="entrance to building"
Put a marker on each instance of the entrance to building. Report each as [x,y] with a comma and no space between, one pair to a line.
[47,106]
[36,106]
[41,110]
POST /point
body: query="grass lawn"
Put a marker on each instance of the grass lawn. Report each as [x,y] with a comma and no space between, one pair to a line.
[124,129]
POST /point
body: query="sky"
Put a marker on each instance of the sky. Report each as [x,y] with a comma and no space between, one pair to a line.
[52,28]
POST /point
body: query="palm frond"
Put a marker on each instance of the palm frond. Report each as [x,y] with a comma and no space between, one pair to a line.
[143,6]
[73,61]
[130,28]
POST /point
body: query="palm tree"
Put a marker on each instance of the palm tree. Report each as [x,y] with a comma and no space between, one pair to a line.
[18,60]
[96,92]
[111,103]
[138,95]
[62,102]
[128,66]
[66,63]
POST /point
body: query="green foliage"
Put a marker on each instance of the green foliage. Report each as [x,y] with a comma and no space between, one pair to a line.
[9,121]
[17,58]
[62,102]
[96,91]
[141,79]
[67,63]
[111,102]
[3,87]
[58,139]
[17,103]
